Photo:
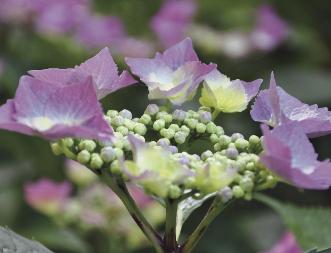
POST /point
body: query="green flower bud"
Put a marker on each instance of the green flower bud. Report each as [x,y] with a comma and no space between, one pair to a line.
[118,143]
[117,121]
[108,119]
[214,138]
[219,130]
[254,140]
[163,142]
[123,130]
[56,148]
[250,166]
[115,168]
[206,155]
[231,153]
[226,194]
[118,152]
[185,129]
[112,113]
[126,114]
[189,183]
[126,144]
[167,133]
[180,137]
[217,147]
[246,184]
[152,109]
[174,127]
[205,117]
[159,124]
[140,129]
[88,145]
[179,115]
[68,142]
[193,114]
[201,128]
[238,192]
[129,124]
[145,119]
[108,154]
[241,144]
[211,128]
[191,123]
[83,157]
[224,141]
[174,192]
[96,161]
[236,136]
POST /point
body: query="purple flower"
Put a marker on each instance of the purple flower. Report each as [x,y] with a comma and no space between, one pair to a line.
[54,112]
[172,21]
[288,152]
[99,31]
[47,196]
[275,107]
[101,67]
[287,244]
[270,30]
[174,75]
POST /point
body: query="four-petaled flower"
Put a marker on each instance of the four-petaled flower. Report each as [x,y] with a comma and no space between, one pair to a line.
[174,75]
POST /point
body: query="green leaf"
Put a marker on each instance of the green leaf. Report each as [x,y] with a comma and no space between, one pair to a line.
[310,225]
[11,242]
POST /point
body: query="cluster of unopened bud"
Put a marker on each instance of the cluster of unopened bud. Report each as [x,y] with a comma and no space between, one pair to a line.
[231,167]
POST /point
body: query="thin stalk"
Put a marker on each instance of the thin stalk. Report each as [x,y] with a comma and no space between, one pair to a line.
[215,114]
[120,189]
[214,210]
[170,242]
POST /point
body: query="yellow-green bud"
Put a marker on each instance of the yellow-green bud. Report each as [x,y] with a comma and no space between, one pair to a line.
[185,129]
[159,124]
[88,145]
[217,147]
[108,154]
[174,127]
[68,142]
[250,166]
[56,148]
[206,154]
[214,138]
[129,124]
[219,130]
[254,140]
[116,168]
[224,141]
[241,144]
[145,119]
[117,121]
[174,192]
[167,133]
[180,137]
[238,192]
[211,128]
[126,114]
[112,113]
[96,161]
[201,128]
[246,184]
[83,157]
[152,109]
[140,129]
[118,152]
[123,130]
[191,123]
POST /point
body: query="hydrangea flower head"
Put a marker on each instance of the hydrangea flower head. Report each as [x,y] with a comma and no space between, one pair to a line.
[101,67]
[47,196]
[53,111]
[225,95]
[173,75]
[288,152]
[275,107]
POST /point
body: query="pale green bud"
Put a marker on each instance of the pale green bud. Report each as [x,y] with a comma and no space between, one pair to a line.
[118,152]
[118,143]
[145,119]
[112,113]
[224,141]
[211,128]
[246,184]
[231,153]
[163,142]
[241,144]
[88,145]
[217,147]
[123,130]
[219,130]
[167,133]
[116,168]
[214,138]
[174,127]
[226,194]
[179,115]
[236,136]
[56,148]
[159,124]
[206,155]
[96,161]
[83,157]
[140,129]
[152,109]
[174,192]
[108,119]
[254,140]
[126,114]
[238,192]
[185,129]
[129,124]
[108,154]
[68,142]
[126,144]
[250,166]
[191,123]
[117,121]
[201,128]
[180,137]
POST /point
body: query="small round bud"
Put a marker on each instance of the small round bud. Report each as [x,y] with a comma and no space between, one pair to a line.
[126,114]
[123,130]
[246,184]
[180,137]
[238,192]
[226,194]
[108,119]
[88,145]
[185,129]
[250,166]
[145,119]
[236,136]
[205,117]
[254,140]
[191,123]
[224,140]
[129,124]
[231,153]
[159,124]
[140,129]
[211,128]
[96,161]
[118,152]
[241,144]
[56,148]
[83,157]
[179,115]
[167,133]
[214,138]
[174,127]
[184,160]
[217,147]
[173,149]
[164,142]
[174,192]
[152,109]
[116,168]
[201,128]
[112,113]
[206,155]
[117,121]
[219,130]
[68,142]
[108,154]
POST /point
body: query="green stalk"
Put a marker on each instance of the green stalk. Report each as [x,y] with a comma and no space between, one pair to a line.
[120,189]
[215,114]
[170,242]
[214,210]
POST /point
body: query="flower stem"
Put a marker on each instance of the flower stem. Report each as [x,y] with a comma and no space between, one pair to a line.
[214,210]
[170,242]
[215,114]
[120,189]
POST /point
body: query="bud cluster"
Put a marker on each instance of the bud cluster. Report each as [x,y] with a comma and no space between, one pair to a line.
[231,167]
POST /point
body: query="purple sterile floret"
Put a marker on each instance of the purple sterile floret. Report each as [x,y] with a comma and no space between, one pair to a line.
[174,75]
[101,67]
[275,107]
[172,21]
[54,111]
[288,152]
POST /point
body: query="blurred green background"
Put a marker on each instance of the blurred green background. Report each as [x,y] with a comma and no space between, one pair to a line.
[302,66]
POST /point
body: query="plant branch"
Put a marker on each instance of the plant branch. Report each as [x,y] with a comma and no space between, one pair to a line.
[170,241]
[120,189]
[214,210]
